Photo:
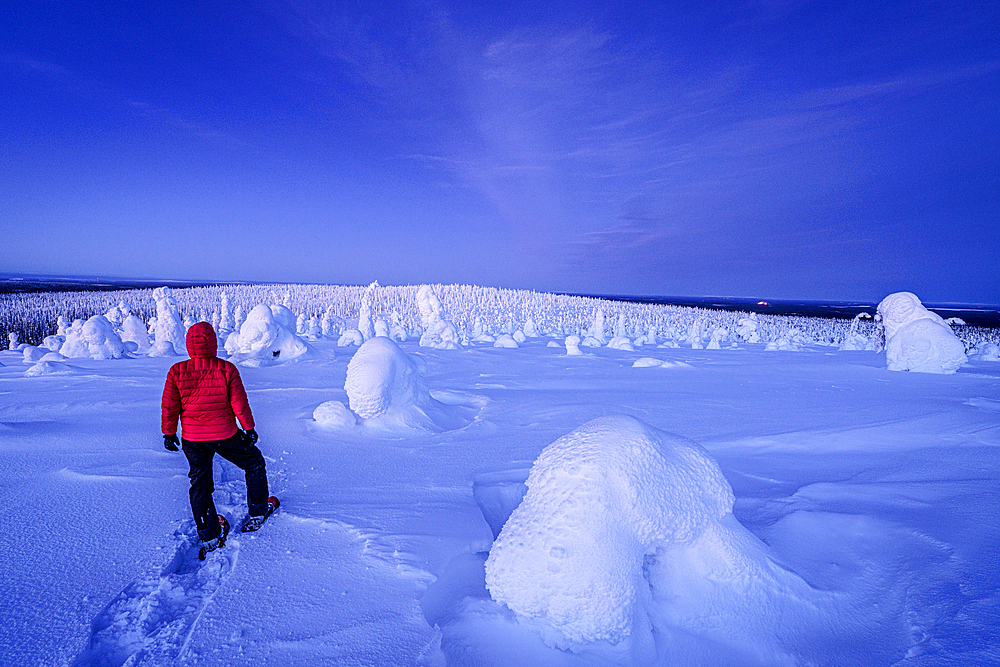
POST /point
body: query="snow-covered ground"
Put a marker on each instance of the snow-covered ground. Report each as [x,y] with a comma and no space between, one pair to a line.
[871,499]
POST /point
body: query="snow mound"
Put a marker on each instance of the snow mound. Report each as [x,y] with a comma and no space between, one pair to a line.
[334,414]
[385,389]
[351,337]
[134,330]
[47,368]
[627,533]
[266,337]
[650,362]
[621,343]
[599,500]
[505,340]
[917,339]
[573,346]
[163,348]
[988,352]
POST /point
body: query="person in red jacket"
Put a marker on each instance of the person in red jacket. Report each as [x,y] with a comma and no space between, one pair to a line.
[207,394]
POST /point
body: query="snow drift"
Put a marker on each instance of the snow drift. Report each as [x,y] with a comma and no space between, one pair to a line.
[917,339]
[617,509]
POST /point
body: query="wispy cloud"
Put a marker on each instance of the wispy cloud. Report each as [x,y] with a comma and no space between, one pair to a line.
[917,82]
[67,79]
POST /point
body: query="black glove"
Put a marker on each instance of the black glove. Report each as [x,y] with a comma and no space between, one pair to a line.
[171,443]
[250,437]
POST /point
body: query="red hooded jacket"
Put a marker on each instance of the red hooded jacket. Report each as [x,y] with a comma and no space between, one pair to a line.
[205,392]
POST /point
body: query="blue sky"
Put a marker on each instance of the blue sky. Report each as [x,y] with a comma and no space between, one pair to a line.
[778,149]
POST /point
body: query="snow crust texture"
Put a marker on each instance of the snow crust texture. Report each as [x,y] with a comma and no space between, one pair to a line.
[917,339]
[599,500]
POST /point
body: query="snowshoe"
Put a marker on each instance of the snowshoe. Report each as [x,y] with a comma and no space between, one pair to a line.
[219,542]
[254,523]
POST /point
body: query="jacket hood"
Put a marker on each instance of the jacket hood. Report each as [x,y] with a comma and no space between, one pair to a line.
[201,341]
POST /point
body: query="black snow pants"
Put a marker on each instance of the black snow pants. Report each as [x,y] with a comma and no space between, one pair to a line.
[245,456]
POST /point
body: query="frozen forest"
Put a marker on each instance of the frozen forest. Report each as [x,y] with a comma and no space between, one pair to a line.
[478,476]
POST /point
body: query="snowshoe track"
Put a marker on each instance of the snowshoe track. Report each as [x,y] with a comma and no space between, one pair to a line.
[151,621]
[154,618]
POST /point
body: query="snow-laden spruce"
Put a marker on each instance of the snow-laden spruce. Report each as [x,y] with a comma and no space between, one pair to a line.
[169,332]
[365,324]
[96,338]
[267,337]
[476,314]
[604,500]
[381,376]
[855,340]
[917,339]
[438,332]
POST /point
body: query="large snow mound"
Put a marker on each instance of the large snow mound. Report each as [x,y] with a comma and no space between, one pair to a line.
[385,388]
[917,339]
[599,500]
